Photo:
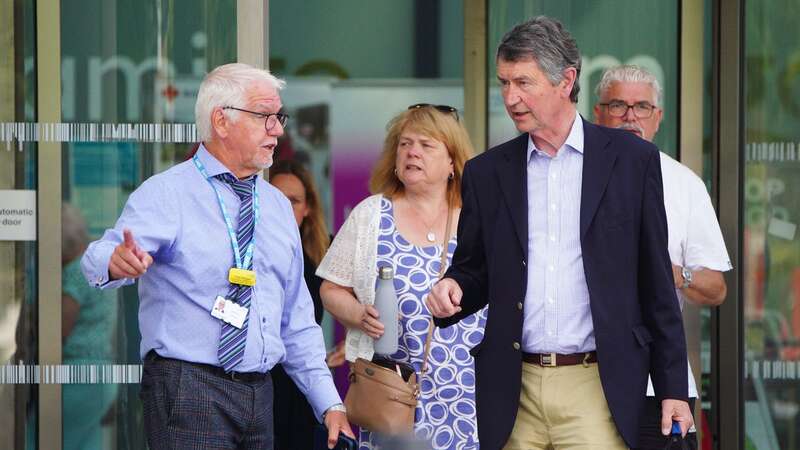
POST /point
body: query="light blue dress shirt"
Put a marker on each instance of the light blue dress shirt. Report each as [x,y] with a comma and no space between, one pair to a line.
[175,217]
[557,314]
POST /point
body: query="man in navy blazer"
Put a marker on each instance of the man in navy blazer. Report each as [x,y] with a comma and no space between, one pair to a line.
[563,233]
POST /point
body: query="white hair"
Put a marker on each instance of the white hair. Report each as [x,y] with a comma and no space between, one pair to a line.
[629,74]
[227,85]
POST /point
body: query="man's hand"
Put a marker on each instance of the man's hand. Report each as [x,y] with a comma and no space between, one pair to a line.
[128,259]
[675,411]
[445,298]
[336,421]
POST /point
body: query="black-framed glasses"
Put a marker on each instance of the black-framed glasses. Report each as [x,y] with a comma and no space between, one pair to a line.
[270,119]
[444,109]
[617,108]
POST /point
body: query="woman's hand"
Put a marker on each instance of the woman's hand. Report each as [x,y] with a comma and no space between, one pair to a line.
[335,357]
[370,322]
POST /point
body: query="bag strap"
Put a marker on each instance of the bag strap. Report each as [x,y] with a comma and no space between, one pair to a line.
[442,268]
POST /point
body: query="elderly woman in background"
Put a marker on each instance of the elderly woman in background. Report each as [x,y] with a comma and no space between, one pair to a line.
[294,419]
[416,185]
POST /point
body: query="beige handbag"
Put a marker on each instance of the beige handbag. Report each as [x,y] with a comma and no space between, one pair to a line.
[380,399]
[383,393]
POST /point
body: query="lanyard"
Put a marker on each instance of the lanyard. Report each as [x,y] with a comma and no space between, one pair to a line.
[248,255]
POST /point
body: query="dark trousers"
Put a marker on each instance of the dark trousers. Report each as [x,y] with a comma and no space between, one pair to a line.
[295,420]
[196,406]
[650,437]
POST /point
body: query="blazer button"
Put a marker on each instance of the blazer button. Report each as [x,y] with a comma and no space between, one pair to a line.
[519,306]
[515,345]
[524,263]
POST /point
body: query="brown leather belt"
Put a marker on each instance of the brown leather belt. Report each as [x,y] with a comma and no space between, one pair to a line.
[557,359]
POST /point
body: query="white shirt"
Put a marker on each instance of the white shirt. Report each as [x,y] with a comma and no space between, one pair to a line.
[557,314]
[695,239]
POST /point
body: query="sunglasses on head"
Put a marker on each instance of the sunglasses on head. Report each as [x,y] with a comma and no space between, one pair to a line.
[445,109]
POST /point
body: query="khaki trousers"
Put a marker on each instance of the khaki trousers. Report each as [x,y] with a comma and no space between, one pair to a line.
[563,408]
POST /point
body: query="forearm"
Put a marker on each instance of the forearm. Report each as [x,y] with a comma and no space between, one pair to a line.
[341,303]
[708,288]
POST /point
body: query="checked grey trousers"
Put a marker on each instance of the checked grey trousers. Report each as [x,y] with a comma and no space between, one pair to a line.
[196,406]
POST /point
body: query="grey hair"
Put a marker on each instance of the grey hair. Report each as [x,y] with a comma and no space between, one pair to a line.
[547,42]
[74,234]
[629,74]
[227,85]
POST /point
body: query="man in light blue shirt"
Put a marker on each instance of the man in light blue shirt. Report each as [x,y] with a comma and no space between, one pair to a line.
[220,266]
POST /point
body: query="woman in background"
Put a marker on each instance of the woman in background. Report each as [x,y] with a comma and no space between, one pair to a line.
[294,419]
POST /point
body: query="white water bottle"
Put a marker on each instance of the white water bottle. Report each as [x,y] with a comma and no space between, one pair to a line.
[386,303]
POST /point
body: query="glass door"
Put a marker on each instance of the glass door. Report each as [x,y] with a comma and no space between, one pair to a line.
[18,257]
[129,73]
[770,215]
[129,77]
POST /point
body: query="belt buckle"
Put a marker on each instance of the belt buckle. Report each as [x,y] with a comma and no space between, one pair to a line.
[547,360]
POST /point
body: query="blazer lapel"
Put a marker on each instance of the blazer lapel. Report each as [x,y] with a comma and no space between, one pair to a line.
[512,176]
[598,161]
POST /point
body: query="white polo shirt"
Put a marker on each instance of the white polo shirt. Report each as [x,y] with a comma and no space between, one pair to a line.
[695,239]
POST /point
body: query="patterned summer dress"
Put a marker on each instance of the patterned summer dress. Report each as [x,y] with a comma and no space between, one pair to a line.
[445,414]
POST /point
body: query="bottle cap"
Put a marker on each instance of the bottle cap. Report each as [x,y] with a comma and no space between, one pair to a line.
[385,273]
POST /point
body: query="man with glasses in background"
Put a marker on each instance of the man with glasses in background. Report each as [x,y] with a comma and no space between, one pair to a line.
[630,99]
[218,256]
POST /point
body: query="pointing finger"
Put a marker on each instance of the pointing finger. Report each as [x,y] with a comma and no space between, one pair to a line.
[128,236]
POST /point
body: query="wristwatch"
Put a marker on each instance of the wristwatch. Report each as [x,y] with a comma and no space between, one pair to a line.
[336,407]
[686,273]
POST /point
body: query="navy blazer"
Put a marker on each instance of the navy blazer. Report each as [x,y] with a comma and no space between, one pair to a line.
[637,320]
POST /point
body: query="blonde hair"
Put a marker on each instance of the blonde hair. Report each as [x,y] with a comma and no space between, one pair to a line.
[442,126]
[313,230]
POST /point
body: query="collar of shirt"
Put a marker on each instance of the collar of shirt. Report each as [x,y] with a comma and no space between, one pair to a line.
[574,140]
[212,165]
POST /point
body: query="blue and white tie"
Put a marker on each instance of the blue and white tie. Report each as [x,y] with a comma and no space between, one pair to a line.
[232,339]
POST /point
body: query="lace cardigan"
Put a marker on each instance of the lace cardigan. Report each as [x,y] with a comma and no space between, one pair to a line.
[351,261]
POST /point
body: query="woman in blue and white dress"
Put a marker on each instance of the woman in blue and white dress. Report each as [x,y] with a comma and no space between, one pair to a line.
[416,185]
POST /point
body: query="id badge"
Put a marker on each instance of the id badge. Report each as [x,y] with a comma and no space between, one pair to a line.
[218,310]
[242,277]
[235,314]
[229,312]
